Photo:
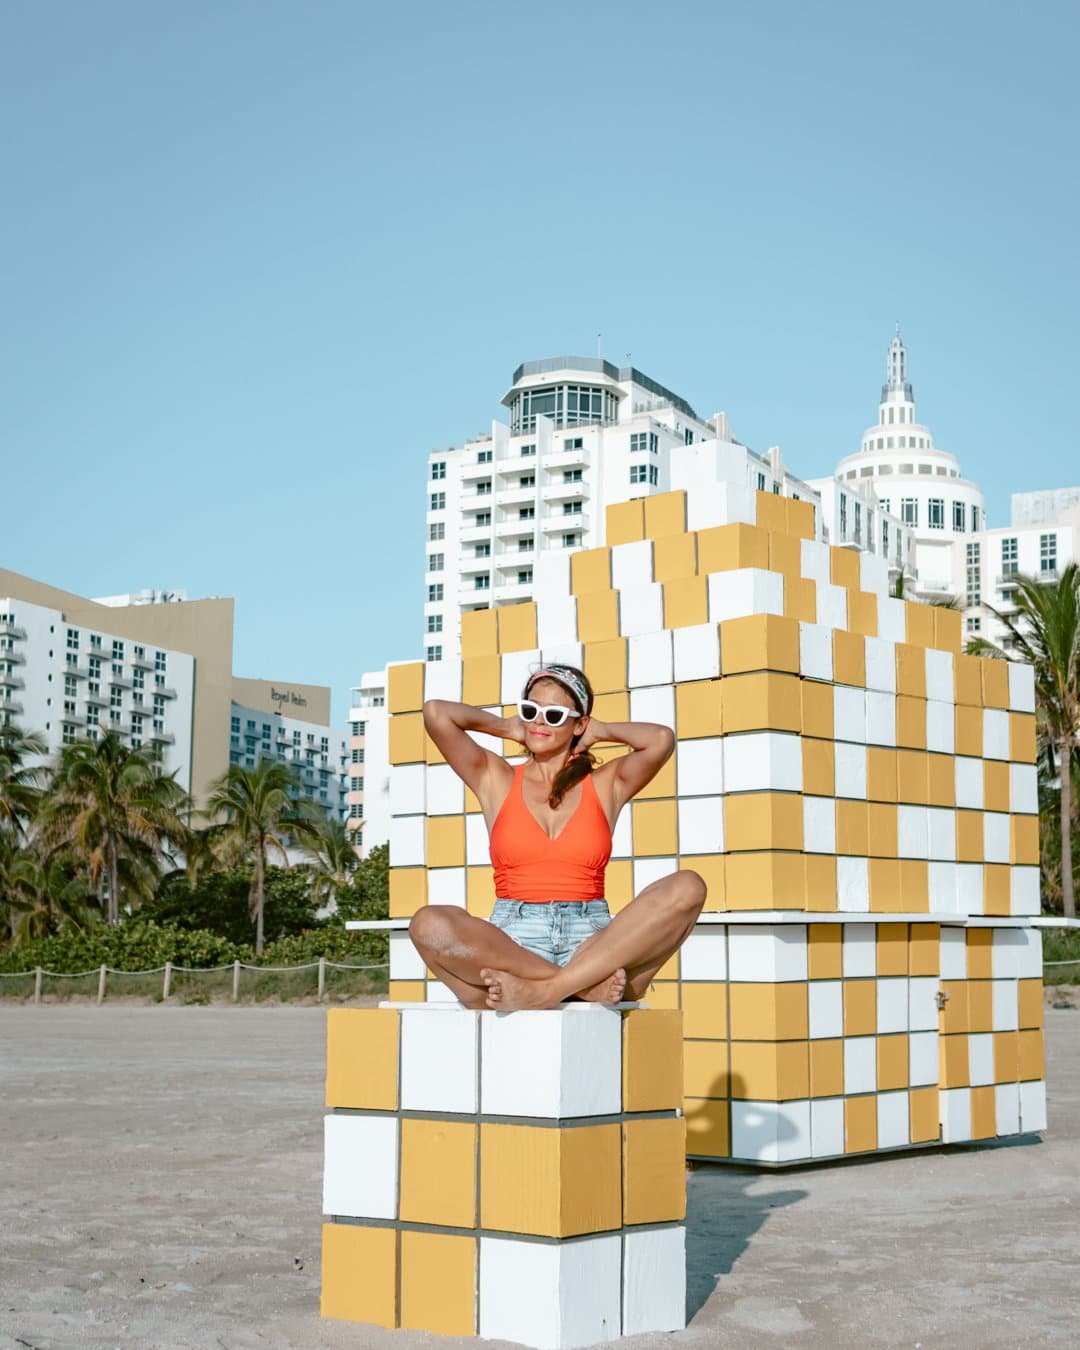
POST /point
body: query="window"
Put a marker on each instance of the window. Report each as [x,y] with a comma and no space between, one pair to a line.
[525,576]
[761,482]
[483,550]
[571,540]
[437,502]
[571,475]
[645,440]
[483,487]
[527,480]
[95,640]
[654,475]
[858,522]
[117,650]
[525,545]
[843,515]
[638,473]
[526,513]
[1008,557]
[482,583]
[528,449]
[688,437]
[975,527]
[116,698]
[573,443]
[357,784]
[959,517]
[883,502]
[73,639]
[138,679]
[571,509]
[484,457]
[974,575]
[935,509]
[159,660]
[236,724]
[1047,552]
[434,625]
[435,592]
[438,469]
[71,685]
[973,623]
[436,531]
[436,562]
[884,538]
[909,511]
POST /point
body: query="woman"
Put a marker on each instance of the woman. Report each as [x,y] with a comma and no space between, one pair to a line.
[550,819]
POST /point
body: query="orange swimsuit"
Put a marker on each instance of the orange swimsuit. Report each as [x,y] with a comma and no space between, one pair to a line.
[532,867]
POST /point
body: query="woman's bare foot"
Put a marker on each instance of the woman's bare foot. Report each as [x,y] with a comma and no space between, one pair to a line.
[609,990]
[512,993]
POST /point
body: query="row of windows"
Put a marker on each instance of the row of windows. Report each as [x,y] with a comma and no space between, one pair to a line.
[97,645]
[644,473]
[905,443]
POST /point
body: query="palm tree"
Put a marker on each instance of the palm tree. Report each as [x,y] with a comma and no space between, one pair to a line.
[1045,630]
[334,858]
[259,813]
[19,783]
[112,809]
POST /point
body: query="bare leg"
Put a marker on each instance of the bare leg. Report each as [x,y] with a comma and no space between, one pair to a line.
[456,946]
[639,939]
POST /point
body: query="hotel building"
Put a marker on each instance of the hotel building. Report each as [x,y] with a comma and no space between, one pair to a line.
[368,801]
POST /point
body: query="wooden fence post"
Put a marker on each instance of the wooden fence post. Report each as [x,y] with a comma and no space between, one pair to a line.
[37,984]
[236,981]
[101,985]
[168,980]
[322,978]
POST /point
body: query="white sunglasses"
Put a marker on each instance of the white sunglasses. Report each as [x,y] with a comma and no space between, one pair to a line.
[554,714]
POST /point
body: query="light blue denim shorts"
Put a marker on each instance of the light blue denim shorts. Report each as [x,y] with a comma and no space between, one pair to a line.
[553,930]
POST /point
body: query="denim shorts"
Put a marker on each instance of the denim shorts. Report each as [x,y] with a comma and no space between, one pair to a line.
[552,930]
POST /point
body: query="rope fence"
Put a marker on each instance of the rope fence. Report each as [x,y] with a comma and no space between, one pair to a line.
[169,970]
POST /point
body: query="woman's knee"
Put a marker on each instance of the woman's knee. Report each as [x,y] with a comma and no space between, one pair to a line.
[433,925]
[689,891]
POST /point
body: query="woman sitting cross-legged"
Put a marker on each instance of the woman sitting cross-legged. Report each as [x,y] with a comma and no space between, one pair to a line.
[550,937]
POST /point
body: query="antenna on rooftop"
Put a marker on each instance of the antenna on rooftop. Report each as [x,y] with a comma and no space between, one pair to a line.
[599,346]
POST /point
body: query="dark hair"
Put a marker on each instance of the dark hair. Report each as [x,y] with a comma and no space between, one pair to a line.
[578,766]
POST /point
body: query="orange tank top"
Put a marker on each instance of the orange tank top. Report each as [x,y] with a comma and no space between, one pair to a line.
[533,867]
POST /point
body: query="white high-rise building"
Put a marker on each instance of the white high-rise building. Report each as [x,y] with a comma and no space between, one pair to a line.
[369,763]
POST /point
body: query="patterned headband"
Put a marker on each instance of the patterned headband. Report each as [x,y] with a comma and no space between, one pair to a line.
[569,679]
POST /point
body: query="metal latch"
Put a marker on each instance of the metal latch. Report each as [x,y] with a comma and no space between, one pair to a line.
[942,997]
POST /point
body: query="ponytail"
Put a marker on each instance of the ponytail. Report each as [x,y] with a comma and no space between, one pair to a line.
[572,772]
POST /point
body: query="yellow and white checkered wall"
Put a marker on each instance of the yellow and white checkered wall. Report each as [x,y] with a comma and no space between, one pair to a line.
[514,1177]
[836,753]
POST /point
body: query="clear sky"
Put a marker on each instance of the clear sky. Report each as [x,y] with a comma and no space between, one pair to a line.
[258,258]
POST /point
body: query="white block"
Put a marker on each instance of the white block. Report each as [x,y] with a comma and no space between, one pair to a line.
[477,851]
[893,1129]
[819,824]
[832,605]
[712,503]
[995,836]
[943,896]
[940,683]
[654,1280]
[631,564]
[360,1166]
[406,963]
[701,825]
[563,654]
[699,766]
[881,665]
[923,1058]
[826,1009]
[892,1004]
[860,1064]
[853,884]
[1032,1106]
[757,952]
[814,561]
[554,1296]
[1024,894]
[653,705]
[650,659]
[1030,957]
[1023,789]
[442,679]
[770,1131]
[445,791]
[969,888]
[446,886]
[744,591]
[407,789]
[981,1059]
[995,733]
[955,1115]
[826,1127]
[551,573]
[940,724]
[407,841]
[703,955]
[942,833]
[648,870]
[758,760]
[552,1064]
[1021,687]
[849,713]
[437,992]
[923,1012]
[793,1136]
[556,620]
[516,667]
[891,619]
[850,762]
[969,783]
[641,609]
[859,951]
[880,718]
[622,838]
[953,954]
[815,650]
[913,831]
[873,573]
[1007,951]
[697,652]
[438,1060]
[1007,1108]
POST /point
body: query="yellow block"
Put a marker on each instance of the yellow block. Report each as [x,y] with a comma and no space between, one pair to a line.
[479,890]
[1031,1003]
[665,514]
[770,512]
[432,753]
[548,1181]
[590,571]
[983,1112]
[517,627]
[704,1008]
[479,633]
[1006,1056]
[654,1170]
[800,598]
[912,777]
[611,708]
[995,681]
[860,1007]
[941,789]
[655,828]
[652,1059]
[445,841]
[766,701]
[827,1068]
[800,518]
[980,1005]
[727,547]
[624,523]
[947,629]
[954,1015]
[765,881]
[663,994]
[817,709]
[997,890]
[407,991]
[706,1069]
[406,738]
[785,557]
[821,892]
[768,1012]
[969,731]
[759,642]
[852,823]
[598,616]
[1022,738]
[954,1069]
[849,658]
[915,885]
[698,709]
[675,557]
[405,687]
[920,623]
[881,829]
[762,820]
[438,1172]
[969,836]
[911,722]
[480,680]
[710,868]
[818,762]
[979,953]
[862,613]
[663,785]
[844,567]
[362,1058]
[924,1119]
[438,1283]
[408,891]
[707,1132]
[892,1062]
[967,680]
[886,889]
[771,1071]
[605,665]
[825,951]
[1031,1059]
[619,884]
[892,949]
[910,670]
[359,1274]
[686,600]
[860,1124]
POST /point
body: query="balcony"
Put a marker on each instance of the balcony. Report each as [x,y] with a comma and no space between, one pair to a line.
[12,630]
[1007,581]
[568,459]
[470,473]
[512,529]
[76,671]
[563,492]
[10,705]
[560,524]
[97,699]
[11,681]
[72,719]
[161,737]
[512,592]
[8,653]
[471,566]
[163,690]
[471,595]
[517,496]
[143,662]
[475,534]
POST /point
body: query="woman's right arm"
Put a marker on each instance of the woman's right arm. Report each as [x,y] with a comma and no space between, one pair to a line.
[448,725]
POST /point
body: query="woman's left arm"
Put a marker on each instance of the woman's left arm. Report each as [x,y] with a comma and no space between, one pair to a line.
[650,748]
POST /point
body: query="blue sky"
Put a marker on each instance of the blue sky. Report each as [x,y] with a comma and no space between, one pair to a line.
[257,259]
